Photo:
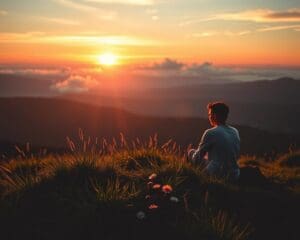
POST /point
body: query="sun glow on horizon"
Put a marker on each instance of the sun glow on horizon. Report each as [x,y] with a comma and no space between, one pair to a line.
[108,59]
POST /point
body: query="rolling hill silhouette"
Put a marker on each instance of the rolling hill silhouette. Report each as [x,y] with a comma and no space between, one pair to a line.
[272,105]
[13,85]
[269,105]
[47,122]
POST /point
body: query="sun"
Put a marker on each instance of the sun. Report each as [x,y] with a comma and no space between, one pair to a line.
[107,59]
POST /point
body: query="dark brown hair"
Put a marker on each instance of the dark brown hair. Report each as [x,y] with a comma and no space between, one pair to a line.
[220,109]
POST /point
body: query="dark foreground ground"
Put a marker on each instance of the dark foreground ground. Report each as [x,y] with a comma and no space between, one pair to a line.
[103,191]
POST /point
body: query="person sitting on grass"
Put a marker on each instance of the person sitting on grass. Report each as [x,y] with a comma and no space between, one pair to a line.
[219,147]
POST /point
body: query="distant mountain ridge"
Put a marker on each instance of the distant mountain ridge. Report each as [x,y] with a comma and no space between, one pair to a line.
[273,105]
[285,89]
[47,122]
[13,85]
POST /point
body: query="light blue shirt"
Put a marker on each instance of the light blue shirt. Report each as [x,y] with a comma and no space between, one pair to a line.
[222,144]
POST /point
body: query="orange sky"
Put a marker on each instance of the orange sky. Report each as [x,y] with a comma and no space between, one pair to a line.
[144,31]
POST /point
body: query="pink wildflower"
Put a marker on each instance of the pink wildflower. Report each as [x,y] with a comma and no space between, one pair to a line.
[167,189]
[152,176]
[153,206]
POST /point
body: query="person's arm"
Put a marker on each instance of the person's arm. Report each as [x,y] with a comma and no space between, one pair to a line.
[205,144]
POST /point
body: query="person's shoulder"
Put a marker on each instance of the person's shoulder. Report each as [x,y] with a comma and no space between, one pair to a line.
[233,129]
[211,130]
[208,134]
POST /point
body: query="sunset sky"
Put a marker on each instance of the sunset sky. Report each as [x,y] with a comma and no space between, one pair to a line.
[81,42]
[219,31]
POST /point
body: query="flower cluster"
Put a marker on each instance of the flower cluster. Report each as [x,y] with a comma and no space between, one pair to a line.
[159,197]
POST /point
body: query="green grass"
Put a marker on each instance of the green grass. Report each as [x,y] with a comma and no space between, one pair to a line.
[285,169]
[96,189]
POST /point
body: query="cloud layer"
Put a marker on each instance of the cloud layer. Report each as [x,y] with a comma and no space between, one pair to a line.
[125,2]
[166,73]
[83,39]
[255,15]
[75,84]
[262,15]
[83,7]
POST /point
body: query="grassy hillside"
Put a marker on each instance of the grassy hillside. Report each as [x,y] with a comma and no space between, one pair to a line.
[136,190]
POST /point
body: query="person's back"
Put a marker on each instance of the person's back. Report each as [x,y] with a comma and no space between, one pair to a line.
[224,151]
[221,143]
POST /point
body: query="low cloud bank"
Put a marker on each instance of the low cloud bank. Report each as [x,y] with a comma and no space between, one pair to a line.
[166,73]
[75,84]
